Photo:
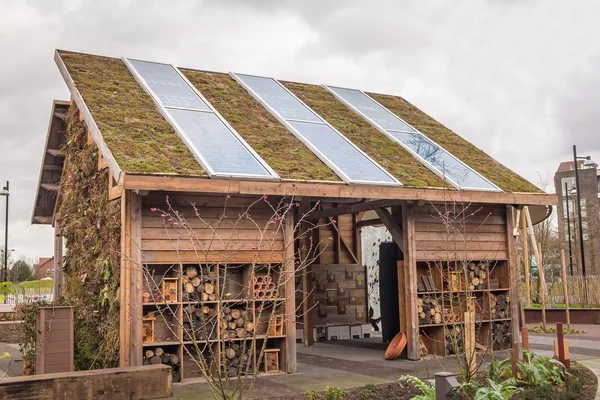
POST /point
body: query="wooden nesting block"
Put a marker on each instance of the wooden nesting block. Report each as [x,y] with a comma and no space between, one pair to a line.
[271,358]
[148,329]
[169,290]
[276,325]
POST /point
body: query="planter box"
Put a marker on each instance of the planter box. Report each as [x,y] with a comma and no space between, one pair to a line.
[578,316]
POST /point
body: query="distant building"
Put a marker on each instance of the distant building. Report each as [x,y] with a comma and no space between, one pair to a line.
[44,268]
[589,182]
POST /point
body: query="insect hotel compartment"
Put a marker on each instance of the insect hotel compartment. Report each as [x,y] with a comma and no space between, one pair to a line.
[238,358]
[236,322]
[197,355]
[199,322]
[199,284]
[265,282]
[429,309]
[167,355]
[161,285]
[235,281]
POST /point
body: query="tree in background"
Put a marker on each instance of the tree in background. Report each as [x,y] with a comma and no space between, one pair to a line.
[20,271]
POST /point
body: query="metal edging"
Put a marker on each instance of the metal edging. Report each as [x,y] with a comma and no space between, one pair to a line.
[307,143]
[426,163]
[181,133]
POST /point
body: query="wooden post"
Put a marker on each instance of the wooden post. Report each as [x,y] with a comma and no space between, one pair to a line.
[130,352]
[290,293]
[565,287]
[514,357]
[525,337]
[513,275]
[307,286]
[410,282]
[526,256]
[58,260]
[561,342]
[470,352]
[542,285]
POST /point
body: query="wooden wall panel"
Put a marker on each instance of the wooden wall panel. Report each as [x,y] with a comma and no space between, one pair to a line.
[469,232]
[54,345]
[235,229]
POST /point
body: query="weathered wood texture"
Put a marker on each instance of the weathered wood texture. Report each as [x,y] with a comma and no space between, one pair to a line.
[290,294]
[58,260]
[410,281]
[54,344]
[465,232]
[234,230]
[147,382]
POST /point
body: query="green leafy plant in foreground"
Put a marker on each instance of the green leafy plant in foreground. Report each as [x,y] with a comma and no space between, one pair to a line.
[334,393]
[426,387]
[498,390]
[313,395]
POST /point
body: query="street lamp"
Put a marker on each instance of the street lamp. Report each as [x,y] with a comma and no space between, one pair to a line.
[569,229]
[6,193]
[588,162]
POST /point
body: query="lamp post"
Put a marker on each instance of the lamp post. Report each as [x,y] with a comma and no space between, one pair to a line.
[569,230]
[6,193]
[577,192]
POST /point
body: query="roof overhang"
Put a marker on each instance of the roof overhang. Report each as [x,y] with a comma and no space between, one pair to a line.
[333,190]
[52,165]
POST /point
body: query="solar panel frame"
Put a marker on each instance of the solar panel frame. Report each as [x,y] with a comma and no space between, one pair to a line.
[426,163]
[271,174]
[315,150]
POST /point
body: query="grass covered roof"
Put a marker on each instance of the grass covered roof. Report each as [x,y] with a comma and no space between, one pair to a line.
[143,142]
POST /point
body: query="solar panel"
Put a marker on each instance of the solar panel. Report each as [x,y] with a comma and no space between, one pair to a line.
[214,143]
[334,149]
[340,152]
[433,156]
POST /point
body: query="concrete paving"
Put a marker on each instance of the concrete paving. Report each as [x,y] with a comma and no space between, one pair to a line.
[12,365]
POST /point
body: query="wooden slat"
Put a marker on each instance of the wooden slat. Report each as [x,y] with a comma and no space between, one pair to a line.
[194,223]
[206,233]
[52,187]
[466,228]
[461,246]
[211,245]
[512,271]
[170,257]
[193,184]
[48,167]
[58,260]
[451,256]
[460,236]
[392,227]
[477,219]
[136,280]
[56,152]
[125,273]
[290,295]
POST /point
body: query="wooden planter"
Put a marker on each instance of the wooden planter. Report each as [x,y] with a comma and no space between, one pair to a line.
[54,345]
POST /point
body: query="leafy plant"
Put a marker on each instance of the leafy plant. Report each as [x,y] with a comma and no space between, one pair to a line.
[498,390]
[499,370]
[7,288]
[313,395]
[540,370]
[334,393]
[368,392]
[426,387]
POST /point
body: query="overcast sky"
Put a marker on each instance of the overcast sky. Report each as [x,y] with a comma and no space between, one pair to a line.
[518,78]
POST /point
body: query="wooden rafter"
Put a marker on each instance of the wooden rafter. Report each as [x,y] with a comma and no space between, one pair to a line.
[341,241]
[392,226]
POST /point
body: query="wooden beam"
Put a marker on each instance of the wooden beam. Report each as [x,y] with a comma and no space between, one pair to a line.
[147,382]
[410,282]
[136,283]
[205,185]
[57,152]
[290,293]
[58,260]
[369,222]
[42,220]
[87,116]
[392,227]
[124,294]
[52,187]
[307,285]
[354,208]
[61,116]
[341,241]
[525,239]
[48,167]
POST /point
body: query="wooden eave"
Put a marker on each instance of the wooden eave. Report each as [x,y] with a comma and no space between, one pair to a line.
[52,165]
[84,111]
[333,190]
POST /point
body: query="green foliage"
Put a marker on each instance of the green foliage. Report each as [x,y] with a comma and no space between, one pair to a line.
[20,271]
[29,334]
[539,370]
[498,390]
[566,331]
[427,387]
[7,288]
[499,370]
[313,395]
[368,392]
[334,393]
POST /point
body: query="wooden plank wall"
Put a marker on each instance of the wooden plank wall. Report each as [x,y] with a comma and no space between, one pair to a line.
[473,232]
[54,345]
[221,232]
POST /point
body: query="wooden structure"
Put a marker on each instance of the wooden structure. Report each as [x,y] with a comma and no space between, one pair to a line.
[437,230]
[54,343]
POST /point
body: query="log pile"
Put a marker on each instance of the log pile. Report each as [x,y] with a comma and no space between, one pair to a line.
[264,287]
[499,306]
[501,336]
[429,310]
[197,287]
[237,356]
[236,323]
[199,322]
[157,355]
[477,276]
[454,340]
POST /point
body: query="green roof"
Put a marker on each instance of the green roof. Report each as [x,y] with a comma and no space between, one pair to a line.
[143,142]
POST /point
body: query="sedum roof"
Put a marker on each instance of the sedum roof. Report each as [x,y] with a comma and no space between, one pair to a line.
[143,142]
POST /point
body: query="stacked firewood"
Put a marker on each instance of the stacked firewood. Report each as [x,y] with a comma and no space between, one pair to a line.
[236,323]
[499,306]
[429,310]
[200,288]
[454,340]
[264,287]
[501,336]
[157,355]
[199,322]
[477,276]
[237,357]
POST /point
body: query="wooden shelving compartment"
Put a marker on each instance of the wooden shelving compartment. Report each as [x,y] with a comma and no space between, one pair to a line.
[220,312]
[451,285]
